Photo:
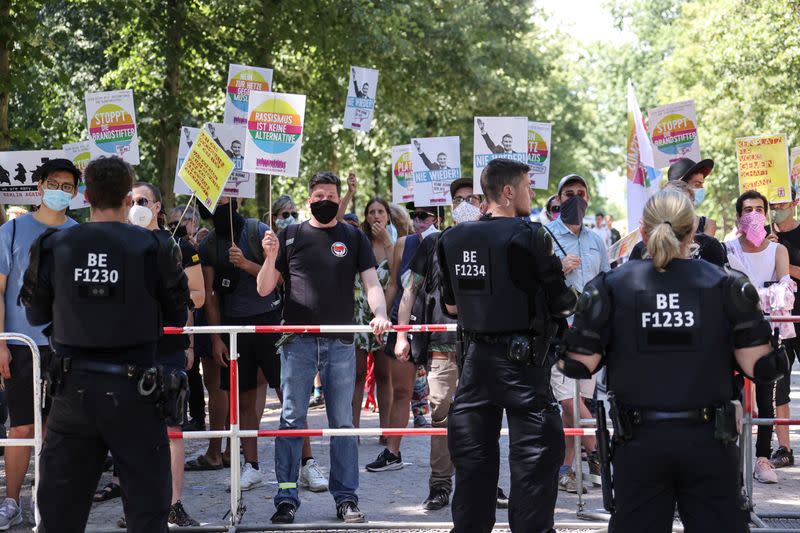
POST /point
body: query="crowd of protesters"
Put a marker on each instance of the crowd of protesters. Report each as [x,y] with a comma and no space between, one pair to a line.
[336,267]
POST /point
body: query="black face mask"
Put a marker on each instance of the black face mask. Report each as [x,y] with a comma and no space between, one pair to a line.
[180,232]
[573,210]
[324,210]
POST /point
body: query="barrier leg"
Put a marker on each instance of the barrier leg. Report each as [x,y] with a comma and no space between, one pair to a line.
[747,431]
[37,425]
[576,416]
[235,444]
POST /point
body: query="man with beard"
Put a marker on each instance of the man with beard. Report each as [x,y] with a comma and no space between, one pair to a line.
[317,262]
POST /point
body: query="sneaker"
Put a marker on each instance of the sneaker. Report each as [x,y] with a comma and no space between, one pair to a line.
[251,478]
[10,514]
[568,483]
[316,402]
[179,517]
[594,468]
[122,523]
[782,457]
[437,499]
[386,461]
[284,514]
[764,472]
[195,424]
[502,499]
[350,513]
[312,477]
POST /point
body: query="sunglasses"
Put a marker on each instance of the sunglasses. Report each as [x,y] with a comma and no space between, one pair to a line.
[421,215]
[287,214]
[554,208]
[144,202]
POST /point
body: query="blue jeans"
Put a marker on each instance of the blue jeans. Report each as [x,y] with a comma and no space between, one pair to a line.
[335,360]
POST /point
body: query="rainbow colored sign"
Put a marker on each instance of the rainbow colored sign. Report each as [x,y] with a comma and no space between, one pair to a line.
[80,155]
[402,174]
[274,133]
[111,121]
[242,80]
[539,148]
[674,133]
[794,168]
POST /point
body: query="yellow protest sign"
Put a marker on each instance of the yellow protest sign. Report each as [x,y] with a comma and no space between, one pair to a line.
[206,169]
[763,163]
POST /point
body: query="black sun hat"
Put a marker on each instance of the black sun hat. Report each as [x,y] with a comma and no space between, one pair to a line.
[684,168]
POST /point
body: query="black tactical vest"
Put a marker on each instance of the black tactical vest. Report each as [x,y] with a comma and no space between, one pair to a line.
[477,255]
[671,344]
[104,282]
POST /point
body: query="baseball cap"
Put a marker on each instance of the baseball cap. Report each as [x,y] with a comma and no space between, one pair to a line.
[569,178]
[457,184]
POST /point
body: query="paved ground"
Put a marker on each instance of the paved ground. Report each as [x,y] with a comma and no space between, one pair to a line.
[388,496]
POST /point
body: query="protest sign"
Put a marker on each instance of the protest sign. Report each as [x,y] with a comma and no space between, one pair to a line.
[16,175]
[432,177]
[495,137]
[80,155]
[111,119]
[794,158]
[361,91]
[241,80]
[274,133]
[763,162]
[623,247]
[402,175]
[231,139]
[539,151]
[188,136]
[674,133]
[206,169]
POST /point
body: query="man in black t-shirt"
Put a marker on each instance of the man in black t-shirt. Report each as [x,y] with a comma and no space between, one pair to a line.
[317,262]
[787,230]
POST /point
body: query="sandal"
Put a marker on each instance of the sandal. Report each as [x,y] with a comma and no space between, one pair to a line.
[109,492]
[201,464]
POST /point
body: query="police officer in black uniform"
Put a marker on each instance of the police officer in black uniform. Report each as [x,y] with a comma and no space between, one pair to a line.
[500,277]
[671,332]
[107,287]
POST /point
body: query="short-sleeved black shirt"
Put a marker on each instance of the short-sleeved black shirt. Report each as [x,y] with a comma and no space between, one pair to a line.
[791,240]
[189,255]
[710,249]
[319,266]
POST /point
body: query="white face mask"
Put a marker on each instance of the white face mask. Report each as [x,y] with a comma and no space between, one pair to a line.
[466,212]
[140,215]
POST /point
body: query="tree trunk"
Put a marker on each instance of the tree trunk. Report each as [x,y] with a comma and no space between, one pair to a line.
[171,120]
[5,71]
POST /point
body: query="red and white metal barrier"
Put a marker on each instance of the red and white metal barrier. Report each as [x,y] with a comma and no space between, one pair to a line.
[36,441]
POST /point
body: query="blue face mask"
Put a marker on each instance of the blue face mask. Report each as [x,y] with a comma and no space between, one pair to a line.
[699,196]
[392,232]
[57,200]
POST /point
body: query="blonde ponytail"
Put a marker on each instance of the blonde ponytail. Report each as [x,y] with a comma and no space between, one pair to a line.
[667,219]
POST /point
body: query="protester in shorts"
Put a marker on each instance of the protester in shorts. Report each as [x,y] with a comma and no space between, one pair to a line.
[229,271]
[317,261]
[764,261]
[58,185]
[787,230]
[583,256]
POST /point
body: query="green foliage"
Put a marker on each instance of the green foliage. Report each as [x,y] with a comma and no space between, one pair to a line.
[738,60]
[441,62]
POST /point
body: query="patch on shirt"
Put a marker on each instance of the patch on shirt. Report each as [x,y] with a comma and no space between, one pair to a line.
[472,270]
[195,258]
[668,320]
[339,249]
